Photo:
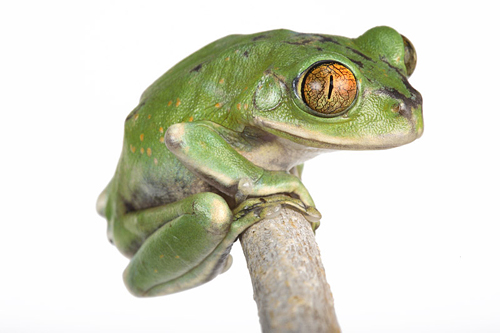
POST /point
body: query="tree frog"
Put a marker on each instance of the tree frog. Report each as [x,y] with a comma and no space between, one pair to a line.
[218,143]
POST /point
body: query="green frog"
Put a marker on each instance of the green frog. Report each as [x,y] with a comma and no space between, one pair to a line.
[218,143]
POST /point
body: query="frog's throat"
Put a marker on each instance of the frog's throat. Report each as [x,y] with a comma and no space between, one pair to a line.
[317,139]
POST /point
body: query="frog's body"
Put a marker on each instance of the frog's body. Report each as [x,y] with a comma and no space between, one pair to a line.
[236,120]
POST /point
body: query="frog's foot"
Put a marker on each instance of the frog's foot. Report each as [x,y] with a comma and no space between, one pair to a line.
[268,207]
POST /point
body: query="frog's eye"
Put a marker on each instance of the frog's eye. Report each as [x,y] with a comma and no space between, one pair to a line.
[410,56]
[328,88]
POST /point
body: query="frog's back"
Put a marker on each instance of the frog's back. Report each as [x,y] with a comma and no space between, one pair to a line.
[204,86]
[231,52]
[213,84]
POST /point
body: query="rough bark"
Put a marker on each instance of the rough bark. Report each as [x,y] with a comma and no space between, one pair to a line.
[288,278]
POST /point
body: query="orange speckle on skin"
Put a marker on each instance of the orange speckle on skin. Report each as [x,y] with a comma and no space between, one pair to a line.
[161,256]
[156,271]
[218,105]
[161,129]
[156,161]
[221,81]
[227,59]
[162,139]
[177,257]
[169,103]
[141,137]
[142,150]
[178,102]
[136,116]
[245,106]
[191,118]
[245,88]
[238,106]
[149,152]
[132,149]
[149,116]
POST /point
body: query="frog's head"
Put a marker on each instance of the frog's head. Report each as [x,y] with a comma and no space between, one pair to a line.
[339,93]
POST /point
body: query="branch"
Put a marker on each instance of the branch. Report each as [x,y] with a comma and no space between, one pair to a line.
[288,277]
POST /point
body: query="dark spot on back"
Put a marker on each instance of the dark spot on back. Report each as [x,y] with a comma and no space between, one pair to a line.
[304,39]
[325,39]
[259,37]
[302,42]
[134,111]
[245,54]
[196,69]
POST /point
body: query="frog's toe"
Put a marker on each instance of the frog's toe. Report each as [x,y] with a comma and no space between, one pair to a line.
[271,211]
[227,264]
[312,214]
[270,206]
[245,187]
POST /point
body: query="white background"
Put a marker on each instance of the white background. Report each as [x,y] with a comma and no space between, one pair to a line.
[410,236]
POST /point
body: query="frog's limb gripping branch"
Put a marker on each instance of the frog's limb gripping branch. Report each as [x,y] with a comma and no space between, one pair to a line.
[288,277]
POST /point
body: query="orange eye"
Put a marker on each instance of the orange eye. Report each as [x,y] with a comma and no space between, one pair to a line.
[328,88]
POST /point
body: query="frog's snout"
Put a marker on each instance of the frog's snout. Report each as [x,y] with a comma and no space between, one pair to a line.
[409,107]
[413,113]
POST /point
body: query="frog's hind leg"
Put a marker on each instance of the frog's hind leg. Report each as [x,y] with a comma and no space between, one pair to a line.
[185,233]
[219,260]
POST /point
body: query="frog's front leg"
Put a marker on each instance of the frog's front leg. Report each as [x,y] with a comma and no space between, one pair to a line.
[201,147]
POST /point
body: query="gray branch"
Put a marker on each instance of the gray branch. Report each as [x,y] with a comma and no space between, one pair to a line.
[288,278]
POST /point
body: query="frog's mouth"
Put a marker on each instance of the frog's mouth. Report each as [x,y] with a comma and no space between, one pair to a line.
[313,138]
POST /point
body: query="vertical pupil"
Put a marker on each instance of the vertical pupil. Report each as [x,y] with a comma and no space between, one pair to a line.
[330,88]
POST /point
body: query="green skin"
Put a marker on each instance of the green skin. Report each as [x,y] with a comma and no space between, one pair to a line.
[217,143]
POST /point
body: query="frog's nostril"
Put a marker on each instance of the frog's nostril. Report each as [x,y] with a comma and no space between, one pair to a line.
[403,109]
[396,107]
[402,103]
